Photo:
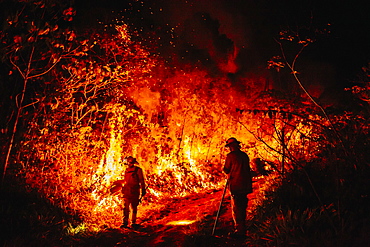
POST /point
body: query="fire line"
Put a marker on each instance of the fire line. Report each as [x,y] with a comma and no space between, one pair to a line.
[181,222]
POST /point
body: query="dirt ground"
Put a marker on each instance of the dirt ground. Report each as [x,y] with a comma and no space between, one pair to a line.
[160,225]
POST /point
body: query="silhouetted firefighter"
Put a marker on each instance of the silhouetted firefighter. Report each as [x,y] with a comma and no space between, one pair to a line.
[240,183]
[131,186]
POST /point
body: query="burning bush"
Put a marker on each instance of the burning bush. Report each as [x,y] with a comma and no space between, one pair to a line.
[103,96]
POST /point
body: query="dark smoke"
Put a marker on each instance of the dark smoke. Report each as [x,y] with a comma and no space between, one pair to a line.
[237,37]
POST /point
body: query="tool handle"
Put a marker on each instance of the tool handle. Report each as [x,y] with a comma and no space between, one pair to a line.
[219,208]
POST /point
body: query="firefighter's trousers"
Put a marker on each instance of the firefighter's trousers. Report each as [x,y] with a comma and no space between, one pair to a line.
[130,203]
[239,203]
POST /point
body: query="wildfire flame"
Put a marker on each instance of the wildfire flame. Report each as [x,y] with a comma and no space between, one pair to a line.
[173,120]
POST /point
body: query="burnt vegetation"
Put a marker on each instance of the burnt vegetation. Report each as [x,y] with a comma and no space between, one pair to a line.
[74,102]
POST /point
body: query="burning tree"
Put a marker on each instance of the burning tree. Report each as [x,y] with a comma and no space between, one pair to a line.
[95,101]
[88,100]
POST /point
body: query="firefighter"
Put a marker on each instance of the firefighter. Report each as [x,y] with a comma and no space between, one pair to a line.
[133,183]
[237,168]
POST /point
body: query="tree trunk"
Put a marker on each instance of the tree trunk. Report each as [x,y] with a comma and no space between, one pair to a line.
[11,142]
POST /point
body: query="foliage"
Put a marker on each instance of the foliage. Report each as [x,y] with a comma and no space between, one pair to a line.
[322,200]
[322,203]
[30,43]
[90,99]
[286,131]
[105,96]
[361,90]
[90,106]
[29,219]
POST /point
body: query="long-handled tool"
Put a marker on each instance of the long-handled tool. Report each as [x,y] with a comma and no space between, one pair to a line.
[219,208]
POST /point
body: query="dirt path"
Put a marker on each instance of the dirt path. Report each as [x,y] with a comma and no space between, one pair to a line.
[172,223]
[161,225]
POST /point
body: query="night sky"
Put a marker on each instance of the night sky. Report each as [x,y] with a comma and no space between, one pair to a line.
[208,31]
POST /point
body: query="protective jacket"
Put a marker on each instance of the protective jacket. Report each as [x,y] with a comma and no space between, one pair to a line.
[238,170]
[133,182]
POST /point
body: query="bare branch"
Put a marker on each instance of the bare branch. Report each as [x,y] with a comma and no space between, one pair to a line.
[46,71]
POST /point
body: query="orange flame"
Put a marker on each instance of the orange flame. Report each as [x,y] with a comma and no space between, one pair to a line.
[181,222]
[174,121]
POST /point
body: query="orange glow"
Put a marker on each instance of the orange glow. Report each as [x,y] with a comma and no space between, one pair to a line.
[174,121]
[181,222]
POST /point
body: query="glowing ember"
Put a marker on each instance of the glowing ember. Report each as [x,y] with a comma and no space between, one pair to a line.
[181,222]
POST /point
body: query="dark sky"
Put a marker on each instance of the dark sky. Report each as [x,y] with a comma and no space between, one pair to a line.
[208,31]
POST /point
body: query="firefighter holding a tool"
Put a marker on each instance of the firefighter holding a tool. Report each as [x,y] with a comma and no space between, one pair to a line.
[131,185]
[237,168]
